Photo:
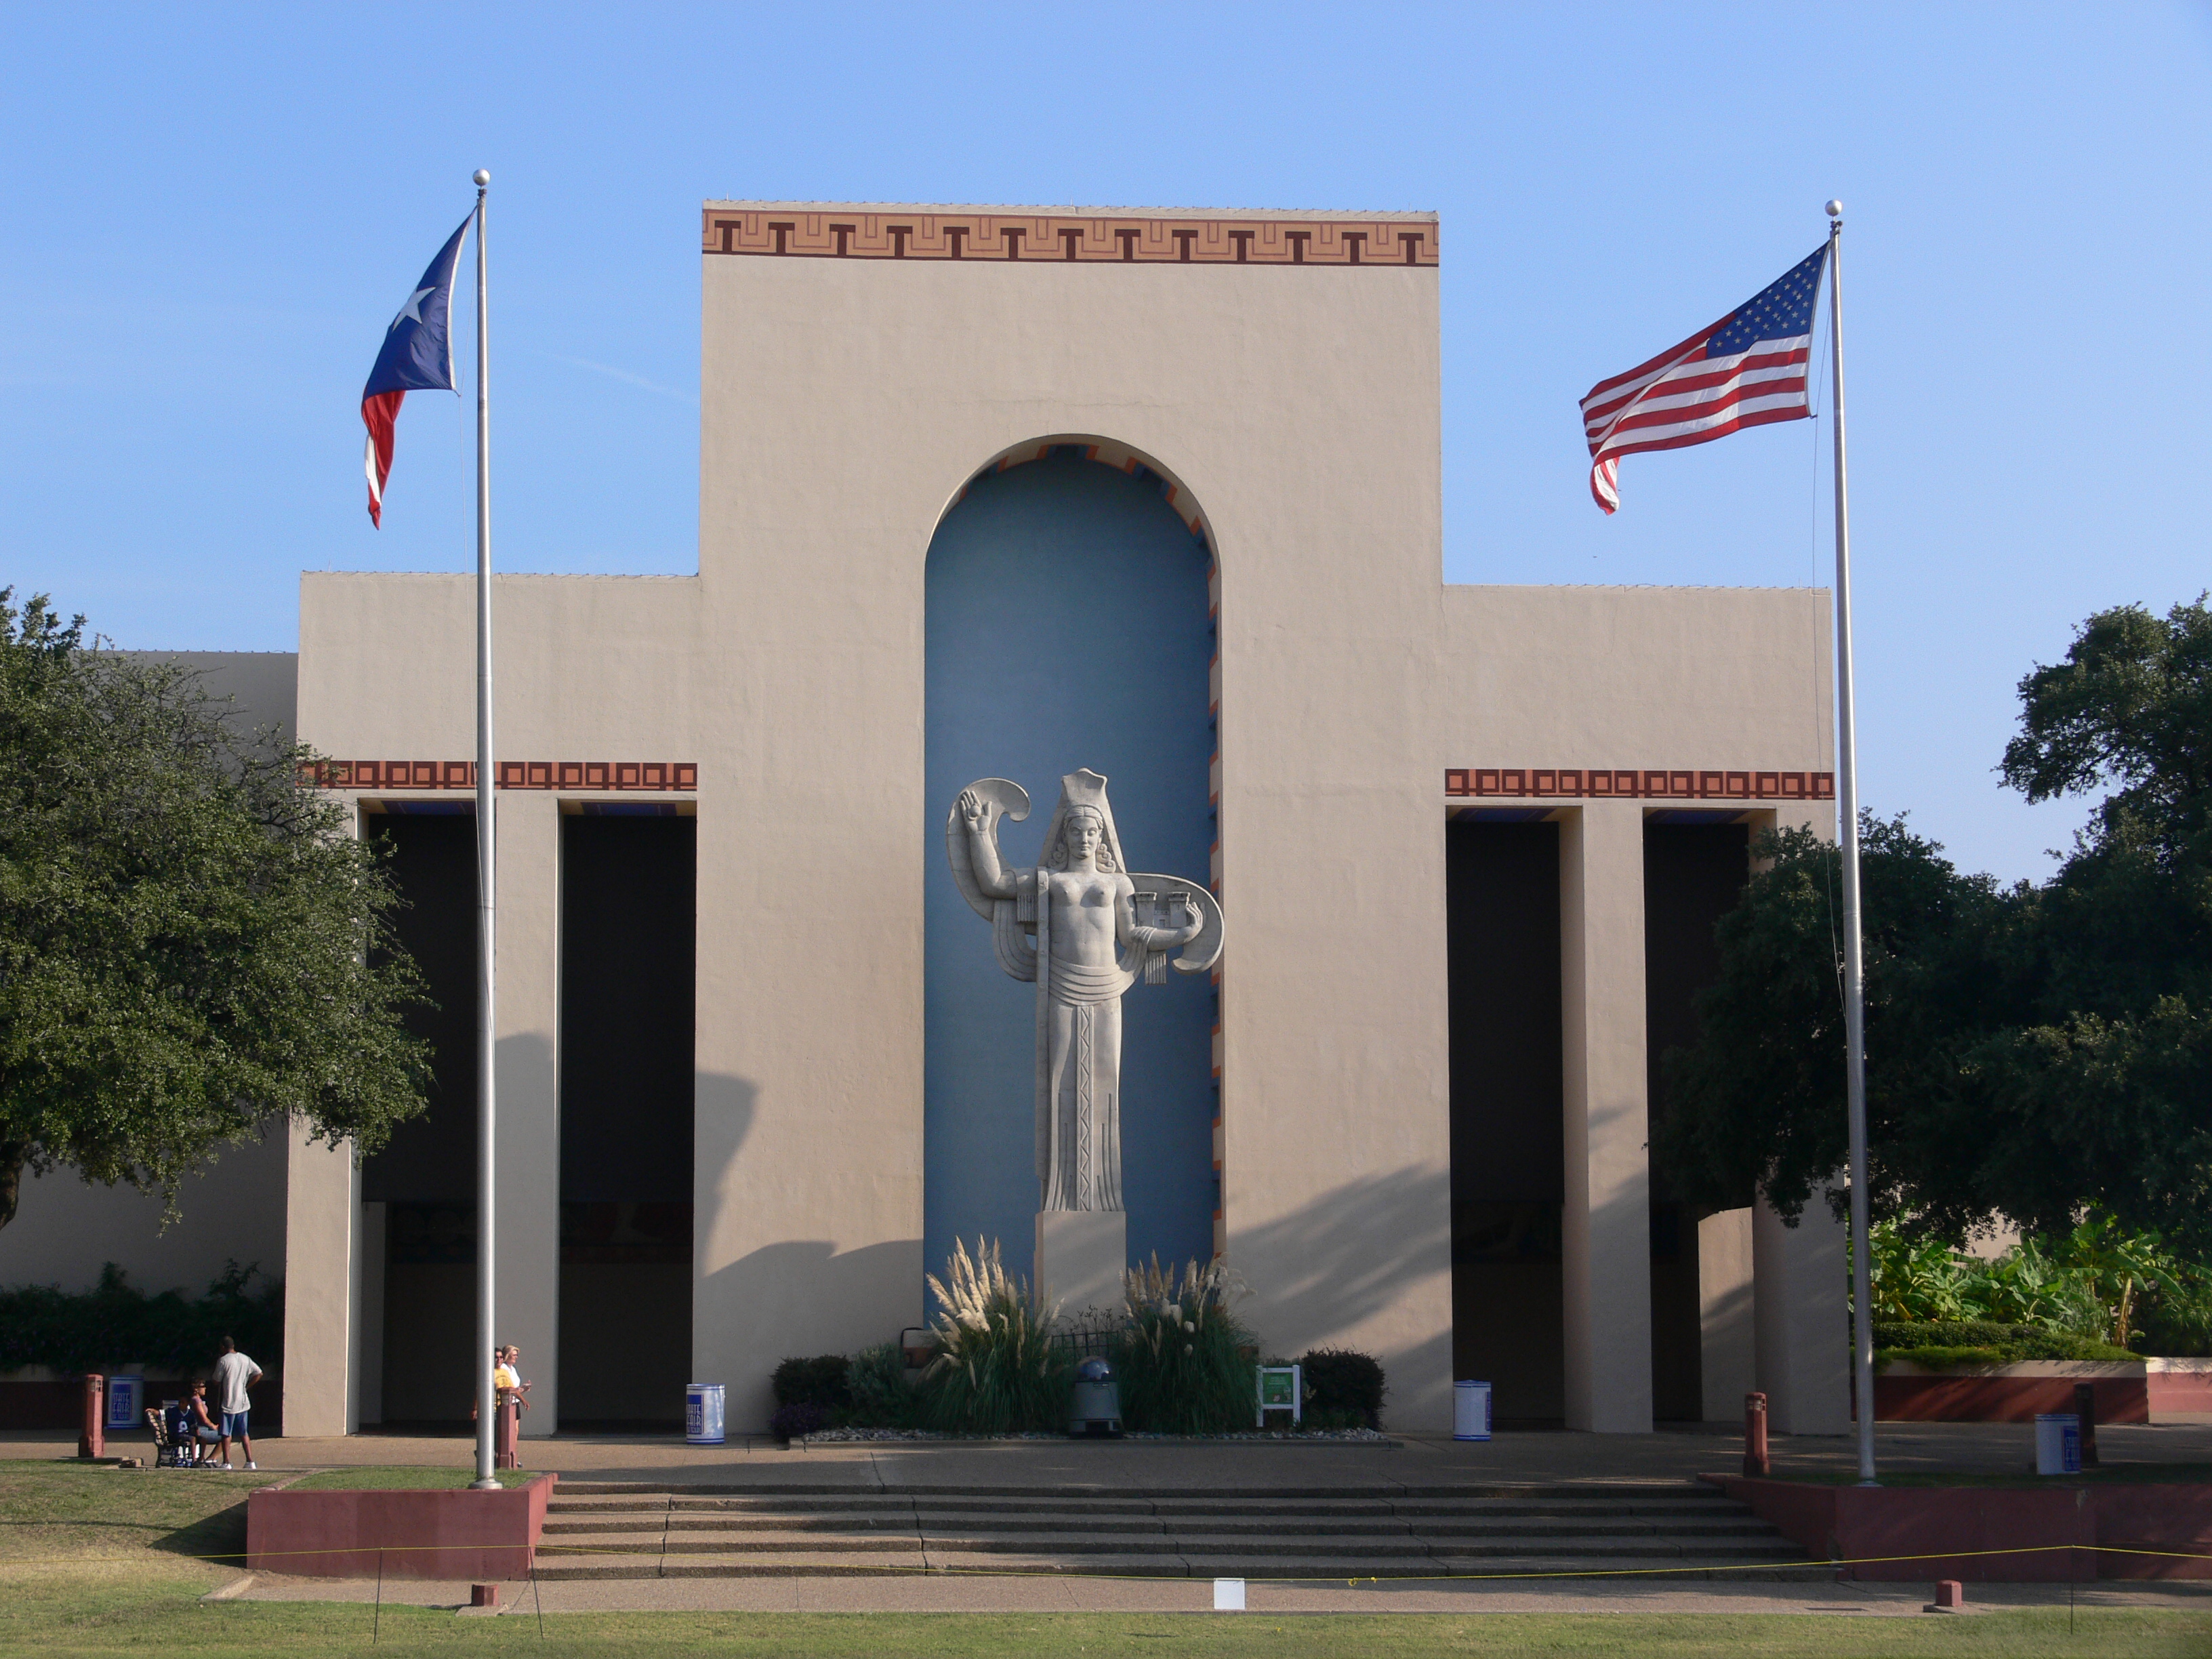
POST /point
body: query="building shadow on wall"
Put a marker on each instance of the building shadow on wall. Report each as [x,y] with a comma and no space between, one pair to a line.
[800,1298]
[792,1298]
[1327,1269]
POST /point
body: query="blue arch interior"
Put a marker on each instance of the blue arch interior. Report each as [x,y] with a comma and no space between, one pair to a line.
[1067,626]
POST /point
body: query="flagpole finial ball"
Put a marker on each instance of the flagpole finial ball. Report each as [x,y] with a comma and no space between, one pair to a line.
[1835,209]
[485,178]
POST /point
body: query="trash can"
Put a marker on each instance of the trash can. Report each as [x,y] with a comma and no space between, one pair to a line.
[702,1413]
[2057,1442]
[126,1399]
[1470,1411]
[1096,1410]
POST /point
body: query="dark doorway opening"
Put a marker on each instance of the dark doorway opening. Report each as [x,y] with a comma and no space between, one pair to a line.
[425,1176]
[1508,1171]
[1694,874]
[629,886]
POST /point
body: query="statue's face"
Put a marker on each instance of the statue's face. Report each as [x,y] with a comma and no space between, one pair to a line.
[1083,834]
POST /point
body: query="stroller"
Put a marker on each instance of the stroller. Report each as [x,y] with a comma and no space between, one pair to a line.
[175,1445]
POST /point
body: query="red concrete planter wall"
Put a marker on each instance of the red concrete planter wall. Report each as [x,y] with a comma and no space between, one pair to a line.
[1891,1533]
[2180,1387]
[448,1534]
[1994,1397]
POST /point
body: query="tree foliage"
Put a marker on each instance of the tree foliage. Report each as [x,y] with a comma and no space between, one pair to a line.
[2031,1051]
[192,948]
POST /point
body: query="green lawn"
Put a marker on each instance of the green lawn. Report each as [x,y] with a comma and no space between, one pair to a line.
[147,1520]
[146,1621]
[388,1479]
[97,1561]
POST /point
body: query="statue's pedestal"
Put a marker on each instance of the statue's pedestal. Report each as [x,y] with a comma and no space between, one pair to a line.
[1081,1255]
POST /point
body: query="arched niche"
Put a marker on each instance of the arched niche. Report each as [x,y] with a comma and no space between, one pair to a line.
[1069,623]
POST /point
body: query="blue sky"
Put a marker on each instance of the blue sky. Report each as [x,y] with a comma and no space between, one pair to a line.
[211,213]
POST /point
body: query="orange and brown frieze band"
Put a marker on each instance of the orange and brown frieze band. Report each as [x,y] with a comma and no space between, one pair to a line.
[1032,239]
[589,776]
[1569,783]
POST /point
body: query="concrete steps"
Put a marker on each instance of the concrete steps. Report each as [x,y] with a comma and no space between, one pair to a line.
[630,1530]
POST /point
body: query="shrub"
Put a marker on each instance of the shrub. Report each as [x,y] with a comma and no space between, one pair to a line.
[1183,1359]
[820,1380]
[798,1419]
[1936,1342]
[1342,1385]
[116,1324]
[2179,1322]
[2100,1281]
[997,1370]
[882,1396]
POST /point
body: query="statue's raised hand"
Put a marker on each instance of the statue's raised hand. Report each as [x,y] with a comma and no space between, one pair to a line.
[973,812]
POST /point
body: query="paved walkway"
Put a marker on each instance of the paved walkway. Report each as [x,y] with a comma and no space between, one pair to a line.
[1053,1594]
[1411,1461]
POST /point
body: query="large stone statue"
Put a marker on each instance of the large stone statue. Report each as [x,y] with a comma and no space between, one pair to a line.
[1066,925]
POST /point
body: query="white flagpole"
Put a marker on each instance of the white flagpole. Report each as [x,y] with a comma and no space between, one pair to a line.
[487,778]
[1847,812]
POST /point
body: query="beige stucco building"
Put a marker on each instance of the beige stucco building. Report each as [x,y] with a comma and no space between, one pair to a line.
[1468,841]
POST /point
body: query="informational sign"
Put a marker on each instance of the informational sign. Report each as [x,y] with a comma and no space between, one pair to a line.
[1281,1390]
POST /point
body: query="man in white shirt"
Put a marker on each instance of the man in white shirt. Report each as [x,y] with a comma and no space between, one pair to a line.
[234,1374]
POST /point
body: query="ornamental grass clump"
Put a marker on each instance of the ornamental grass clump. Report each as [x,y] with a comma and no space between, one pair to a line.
[1184,1360]
[997,1370]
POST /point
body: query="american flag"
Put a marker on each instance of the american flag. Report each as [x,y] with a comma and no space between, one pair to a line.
[1746,369]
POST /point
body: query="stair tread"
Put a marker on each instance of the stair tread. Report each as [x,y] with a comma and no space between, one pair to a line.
[1599,1549]
[828,1521]
[1161,1565]
[732,1543]
[789,1564]
[1471,1530]
[1014,1543]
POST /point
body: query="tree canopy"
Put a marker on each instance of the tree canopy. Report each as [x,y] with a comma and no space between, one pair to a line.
[2031,1051]
[194,948]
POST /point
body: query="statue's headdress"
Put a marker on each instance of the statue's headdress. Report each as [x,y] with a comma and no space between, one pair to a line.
[1082,789]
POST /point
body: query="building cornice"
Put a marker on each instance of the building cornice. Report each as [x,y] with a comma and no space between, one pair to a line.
[1608,783]
[820,230]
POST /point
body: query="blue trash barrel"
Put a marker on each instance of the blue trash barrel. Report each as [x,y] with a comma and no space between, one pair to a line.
[126,1399]
[1470,1411]
[702,1413]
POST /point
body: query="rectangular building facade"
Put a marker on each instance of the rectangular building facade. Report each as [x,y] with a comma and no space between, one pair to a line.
[1011,493]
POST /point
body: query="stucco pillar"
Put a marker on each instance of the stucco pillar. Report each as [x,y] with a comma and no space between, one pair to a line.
[1727,1339]
[529,1081]
[1607,1223]
[321,1379]
[1802,1316]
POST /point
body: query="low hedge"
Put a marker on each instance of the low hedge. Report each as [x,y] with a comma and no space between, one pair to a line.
[821,1380]
[1344,1389]
[116,1323]
[1939,1343]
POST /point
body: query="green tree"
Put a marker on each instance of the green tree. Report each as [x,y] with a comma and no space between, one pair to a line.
[2111,1074]
[192,948]
[1756,1104]
[2031,1051]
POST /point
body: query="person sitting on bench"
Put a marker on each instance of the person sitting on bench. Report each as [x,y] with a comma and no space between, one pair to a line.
[199,1432]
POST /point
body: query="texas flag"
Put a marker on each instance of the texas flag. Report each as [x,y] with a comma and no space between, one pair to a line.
[417,356]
